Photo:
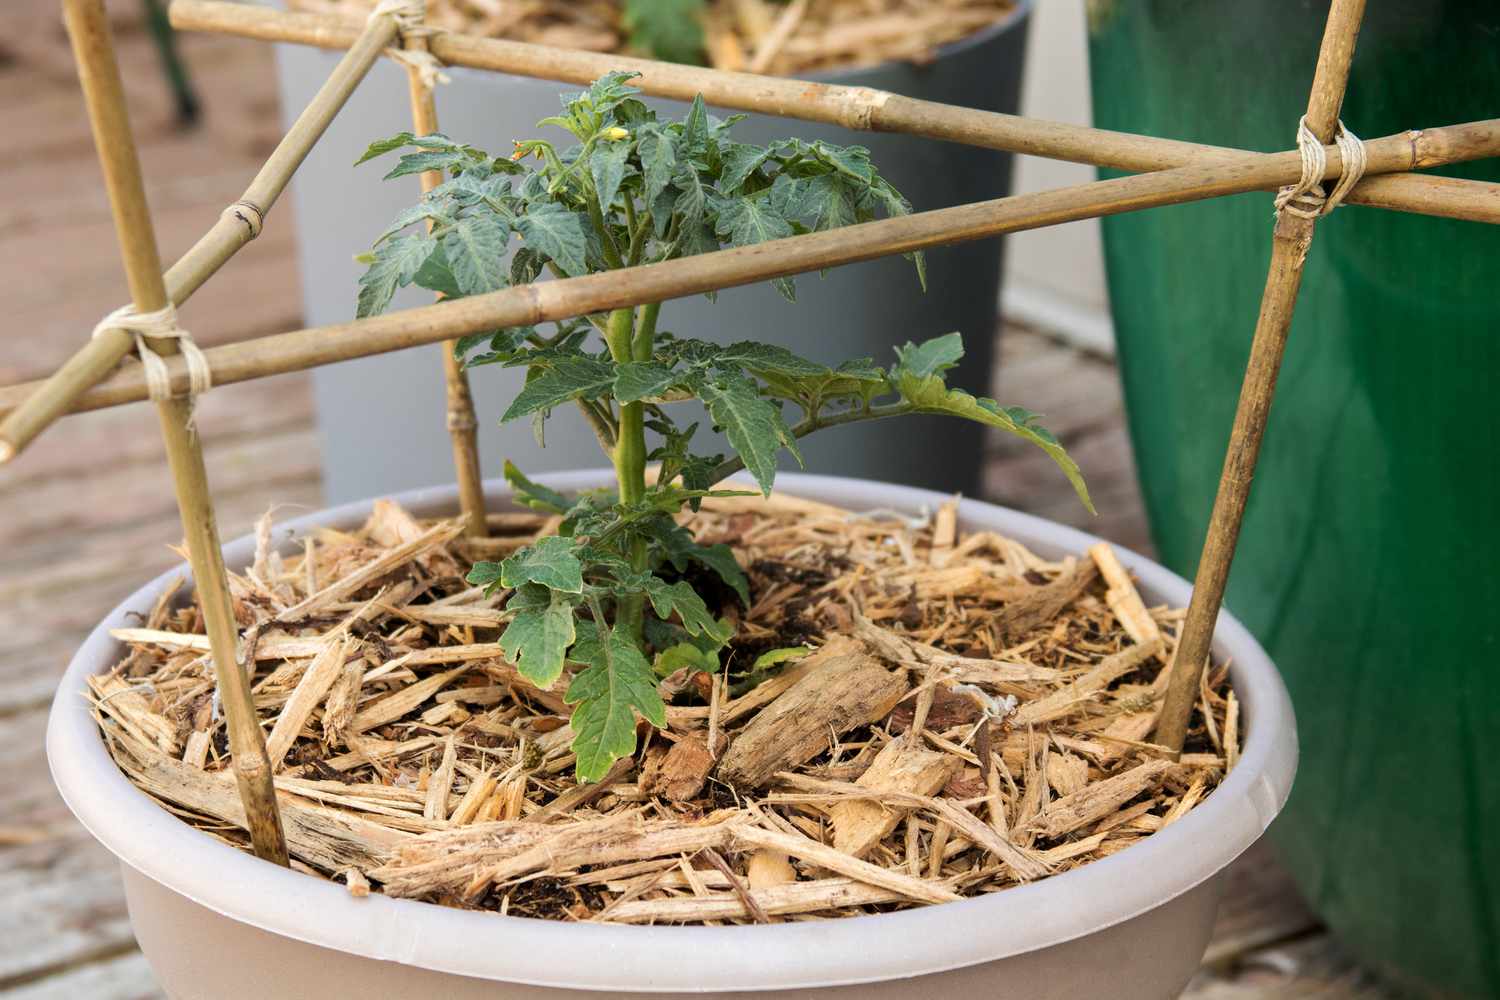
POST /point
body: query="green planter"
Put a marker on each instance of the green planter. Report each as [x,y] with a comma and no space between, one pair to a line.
[1369,564]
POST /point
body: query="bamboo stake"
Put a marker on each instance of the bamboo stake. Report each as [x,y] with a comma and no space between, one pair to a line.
[463,426]
[1291,239]
[93,50]
[553,300]
[231,231]
[861,108]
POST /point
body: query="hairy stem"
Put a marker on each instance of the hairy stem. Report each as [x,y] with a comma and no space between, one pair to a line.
[818,422]
[630,460]
[644,344]
[606,239]
[600,424]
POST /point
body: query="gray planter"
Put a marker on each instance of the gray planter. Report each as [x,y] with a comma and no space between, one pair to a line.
[394,403]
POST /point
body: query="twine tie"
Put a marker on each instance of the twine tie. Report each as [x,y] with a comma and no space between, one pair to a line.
[161,324]
[1306,198]
[410,15]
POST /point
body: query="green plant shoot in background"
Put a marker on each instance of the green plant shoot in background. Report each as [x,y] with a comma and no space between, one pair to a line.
[607,592]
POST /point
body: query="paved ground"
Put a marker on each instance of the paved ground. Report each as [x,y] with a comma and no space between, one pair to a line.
[89,513]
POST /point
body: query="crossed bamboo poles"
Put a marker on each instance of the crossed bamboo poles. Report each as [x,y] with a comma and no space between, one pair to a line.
[1176,172]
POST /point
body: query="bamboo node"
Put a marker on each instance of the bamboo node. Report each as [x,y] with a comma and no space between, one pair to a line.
[160,325]
[866,104]
[247,212]
[1306,199]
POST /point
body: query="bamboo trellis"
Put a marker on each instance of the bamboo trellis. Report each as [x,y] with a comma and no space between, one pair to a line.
[1168,172]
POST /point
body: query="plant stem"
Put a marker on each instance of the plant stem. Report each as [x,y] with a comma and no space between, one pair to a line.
[630,461]
[644,344]
[729,467]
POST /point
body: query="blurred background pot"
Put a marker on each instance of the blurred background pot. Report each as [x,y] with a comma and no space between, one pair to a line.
[381,419]
[1367,563]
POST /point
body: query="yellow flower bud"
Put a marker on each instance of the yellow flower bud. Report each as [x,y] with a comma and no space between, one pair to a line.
[615,133]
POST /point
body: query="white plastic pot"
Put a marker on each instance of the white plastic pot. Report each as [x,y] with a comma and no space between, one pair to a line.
[217,923]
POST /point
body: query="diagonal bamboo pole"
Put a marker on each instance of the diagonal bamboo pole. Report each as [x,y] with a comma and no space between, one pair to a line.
[859,108]
[463,426]
[1291,239]
[554,300]
[93,51]
[237,226]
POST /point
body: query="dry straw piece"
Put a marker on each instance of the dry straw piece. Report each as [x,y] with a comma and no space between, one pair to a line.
[940,739]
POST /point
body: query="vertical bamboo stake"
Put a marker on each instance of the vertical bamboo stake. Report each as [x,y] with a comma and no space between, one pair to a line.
[463,426]
[97,357]
[93,50]
[1290,242]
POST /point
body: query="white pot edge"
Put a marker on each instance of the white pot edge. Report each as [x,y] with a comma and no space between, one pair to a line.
[801,955]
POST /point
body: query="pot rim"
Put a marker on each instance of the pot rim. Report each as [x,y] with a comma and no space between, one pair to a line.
[1016,19]
[615,958]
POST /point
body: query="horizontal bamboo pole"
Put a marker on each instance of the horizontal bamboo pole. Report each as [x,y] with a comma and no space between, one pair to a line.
[229,233]
[554,300]
[93,50]
[861,108]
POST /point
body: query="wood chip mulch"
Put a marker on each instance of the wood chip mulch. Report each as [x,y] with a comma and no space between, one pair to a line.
[758,36]
[969,717]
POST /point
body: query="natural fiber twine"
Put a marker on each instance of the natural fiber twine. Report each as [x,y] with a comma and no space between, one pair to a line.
[1306,198]
[161,325]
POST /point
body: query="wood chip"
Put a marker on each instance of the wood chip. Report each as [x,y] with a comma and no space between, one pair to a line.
[316,682]
[858,825]
[1097,800]
[853,690]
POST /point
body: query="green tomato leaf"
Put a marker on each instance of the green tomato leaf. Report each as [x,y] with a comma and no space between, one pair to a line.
[533,494]
[393,265]
[606,696]
[382,146]
[680,548]
[636,380]
[416,213]
[559,233]
[565,378]
[739,162]
[685,655]
[918,377]
[775,657]
[823,202]
[752,423]
[692,197]
[658,162]
[931,357]
[427,159]
[851,161]
[607,167]
[695,137]
[475,249]
[538,637]
[436,275]
[611,90]
[769,358]
[551,562]
[486,575]
[681,598]
[747,221]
